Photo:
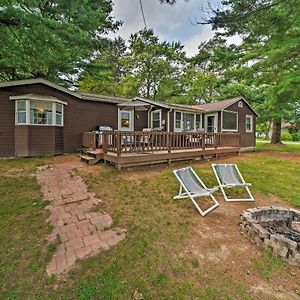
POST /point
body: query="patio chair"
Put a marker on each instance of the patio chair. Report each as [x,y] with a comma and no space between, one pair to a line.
[229,176]
[193,188]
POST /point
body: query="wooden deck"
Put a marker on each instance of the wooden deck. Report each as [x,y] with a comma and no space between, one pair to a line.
[139,159]
[126,149]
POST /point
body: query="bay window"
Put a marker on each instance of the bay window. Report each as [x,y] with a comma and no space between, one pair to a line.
[39,112]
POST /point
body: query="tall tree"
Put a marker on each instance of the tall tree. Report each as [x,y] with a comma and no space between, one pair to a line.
[103,75]
[270,45]
[154,64]
[50,38]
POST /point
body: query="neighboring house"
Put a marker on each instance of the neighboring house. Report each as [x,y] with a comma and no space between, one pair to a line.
[38,117]
[286,127]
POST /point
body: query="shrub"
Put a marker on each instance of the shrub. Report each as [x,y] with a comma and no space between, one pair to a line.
[296,136]
[285,136]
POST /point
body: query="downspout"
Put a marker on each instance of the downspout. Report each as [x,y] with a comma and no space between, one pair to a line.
[168,124]
[149,121]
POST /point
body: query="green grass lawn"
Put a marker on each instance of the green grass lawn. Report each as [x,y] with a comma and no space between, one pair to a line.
[266,146]
[152,260]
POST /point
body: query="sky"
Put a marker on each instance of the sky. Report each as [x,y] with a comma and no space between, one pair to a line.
[170,23]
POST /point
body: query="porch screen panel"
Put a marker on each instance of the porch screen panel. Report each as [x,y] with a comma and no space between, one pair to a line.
[229,120]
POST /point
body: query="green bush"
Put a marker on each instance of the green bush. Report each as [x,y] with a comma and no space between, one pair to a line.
[285,136]
[296,136]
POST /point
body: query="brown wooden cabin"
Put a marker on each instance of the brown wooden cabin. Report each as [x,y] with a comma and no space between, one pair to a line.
[38,117]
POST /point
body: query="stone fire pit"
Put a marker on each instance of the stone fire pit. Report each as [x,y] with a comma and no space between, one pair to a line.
[274,228]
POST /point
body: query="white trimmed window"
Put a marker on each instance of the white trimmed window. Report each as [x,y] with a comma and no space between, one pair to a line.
[198,122]
[36,112]
[249,123]
[178,120]
[156,119]
[40,113]
[21,112]
[187,121]
[59,114]
[229,121]
[240,104]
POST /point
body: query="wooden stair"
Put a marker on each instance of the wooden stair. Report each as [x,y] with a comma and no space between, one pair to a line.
[91,157]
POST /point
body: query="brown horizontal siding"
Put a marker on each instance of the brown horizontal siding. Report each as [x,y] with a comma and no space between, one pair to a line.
[7,123]
[59,140]
[247,138]
[42,140]
[22,138]
[140,120]
[79,116]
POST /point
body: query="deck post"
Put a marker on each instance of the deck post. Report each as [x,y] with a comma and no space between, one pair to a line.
[118,144]
[169,141]
[104,142]
[203,141]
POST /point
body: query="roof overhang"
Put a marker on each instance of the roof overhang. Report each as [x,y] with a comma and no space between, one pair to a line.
[239,99]
[81,96]
[137,105]
[37,98]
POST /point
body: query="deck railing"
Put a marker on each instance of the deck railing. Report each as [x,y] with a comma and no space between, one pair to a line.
[138,142]
[89,140]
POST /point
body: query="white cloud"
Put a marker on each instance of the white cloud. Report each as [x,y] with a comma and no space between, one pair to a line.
[191,45]
[171,23]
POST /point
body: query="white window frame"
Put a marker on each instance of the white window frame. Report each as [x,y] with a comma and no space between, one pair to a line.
[251,123]
[215,115]
[28,117]
[237,121]
[54,114]
[160,118]
[176,129]
[131,120]
[240,103]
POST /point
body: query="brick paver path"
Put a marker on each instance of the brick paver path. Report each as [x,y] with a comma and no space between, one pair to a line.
[82,232]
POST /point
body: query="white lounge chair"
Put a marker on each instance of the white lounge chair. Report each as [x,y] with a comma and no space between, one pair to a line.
[193,188]
[229,176]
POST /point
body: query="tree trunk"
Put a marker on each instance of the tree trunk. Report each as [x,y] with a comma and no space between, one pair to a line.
[267,131]
[276,132]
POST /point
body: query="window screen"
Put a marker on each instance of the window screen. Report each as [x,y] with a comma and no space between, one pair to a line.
[229,120]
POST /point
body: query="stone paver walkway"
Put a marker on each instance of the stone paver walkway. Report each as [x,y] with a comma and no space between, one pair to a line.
[81,232]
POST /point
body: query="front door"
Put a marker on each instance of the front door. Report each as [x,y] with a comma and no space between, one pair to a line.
[126,120]
[211,123]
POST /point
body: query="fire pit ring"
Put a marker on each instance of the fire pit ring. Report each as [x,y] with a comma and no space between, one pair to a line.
[274,228]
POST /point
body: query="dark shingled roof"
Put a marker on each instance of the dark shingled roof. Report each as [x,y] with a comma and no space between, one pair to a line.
[219,105]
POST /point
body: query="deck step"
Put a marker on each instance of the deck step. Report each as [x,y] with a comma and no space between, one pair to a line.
[90,159]
[90,152]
